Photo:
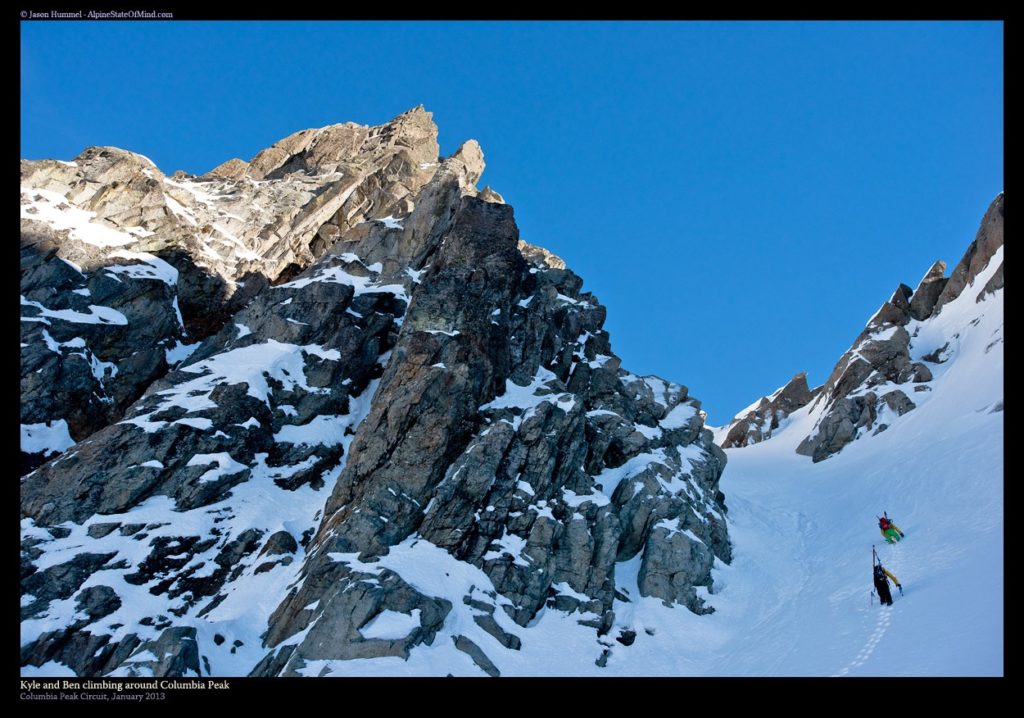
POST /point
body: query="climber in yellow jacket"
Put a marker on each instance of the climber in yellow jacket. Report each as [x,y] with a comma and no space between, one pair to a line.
[882,578]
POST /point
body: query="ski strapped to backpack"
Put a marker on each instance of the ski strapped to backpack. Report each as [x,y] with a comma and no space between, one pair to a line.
[877,568]
[874,561]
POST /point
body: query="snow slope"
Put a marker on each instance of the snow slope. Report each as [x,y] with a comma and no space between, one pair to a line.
[796,600]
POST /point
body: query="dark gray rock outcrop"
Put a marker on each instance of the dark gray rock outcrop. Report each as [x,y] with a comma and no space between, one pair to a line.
[871,380]
[91,341]
[922,304]
[987,242]
[124,269]
[763,419]
[509,430]
[880,358]
[428,380]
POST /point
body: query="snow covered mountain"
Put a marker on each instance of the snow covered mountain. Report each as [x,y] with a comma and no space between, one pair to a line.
[323,413]
[124,269]
[799,587]
[797,598]
[904,345]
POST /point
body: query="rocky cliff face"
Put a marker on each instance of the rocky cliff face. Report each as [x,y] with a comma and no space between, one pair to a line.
[890,363]
[125,269]
[382,384]
[758,422]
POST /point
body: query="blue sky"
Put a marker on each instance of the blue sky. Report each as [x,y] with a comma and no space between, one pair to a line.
[741,196]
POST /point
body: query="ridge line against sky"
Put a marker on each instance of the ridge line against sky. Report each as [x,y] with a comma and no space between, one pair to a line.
[741,196]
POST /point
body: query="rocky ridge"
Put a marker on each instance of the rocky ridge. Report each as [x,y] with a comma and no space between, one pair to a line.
[395,381]
[888,364]
[758,422]
[125,269]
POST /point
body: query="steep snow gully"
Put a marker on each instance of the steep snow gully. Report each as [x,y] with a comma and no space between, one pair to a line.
[796,600]
[431,463]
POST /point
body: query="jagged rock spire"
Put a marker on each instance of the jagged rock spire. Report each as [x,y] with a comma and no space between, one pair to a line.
[927,293]
[985,245]
[869,381]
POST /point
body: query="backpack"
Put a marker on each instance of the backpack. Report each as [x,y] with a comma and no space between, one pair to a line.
[879,573]
[883,523]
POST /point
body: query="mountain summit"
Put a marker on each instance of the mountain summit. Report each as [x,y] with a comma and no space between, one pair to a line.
[324,413]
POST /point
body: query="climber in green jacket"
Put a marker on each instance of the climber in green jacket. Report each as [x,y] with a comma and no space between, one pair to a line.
[890,531]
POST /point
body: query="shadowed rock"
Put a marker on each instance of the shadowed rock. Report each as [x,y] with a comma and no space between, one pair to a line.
[928,291]
[759,423]
[379,365]
[855,393]
[987,242]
